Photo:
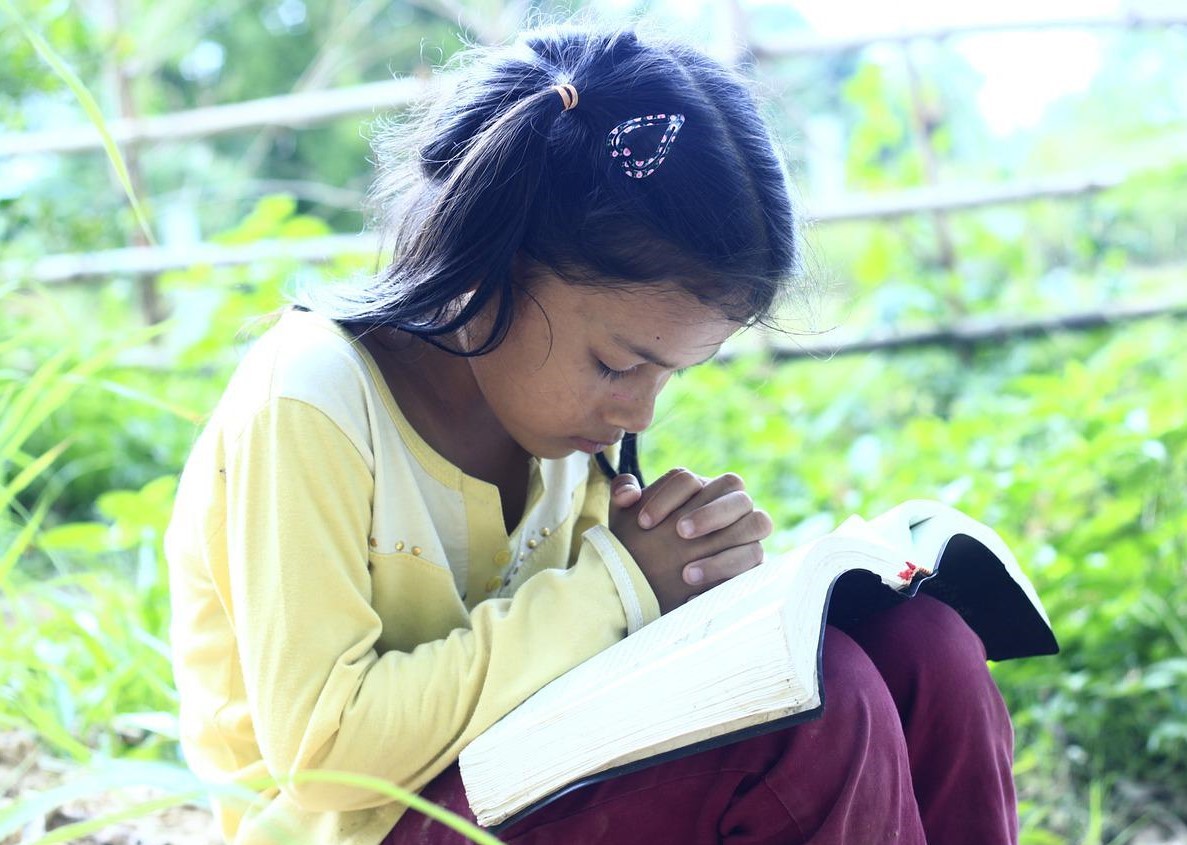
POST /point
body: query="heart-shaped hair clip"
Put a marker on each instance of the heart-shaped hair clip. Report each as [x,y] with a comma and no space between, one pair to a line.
[635,165]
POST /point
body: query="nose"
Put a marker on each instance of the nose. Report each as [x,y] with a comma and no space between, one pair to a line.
[634,412]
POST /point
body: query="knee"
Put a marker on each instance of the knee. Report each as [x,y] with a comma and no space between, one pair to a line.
[923,637]
[854,689]
[933,662]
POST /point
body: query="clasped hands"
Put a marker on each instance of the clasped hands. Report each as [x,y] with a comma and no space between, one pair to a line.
[687,533]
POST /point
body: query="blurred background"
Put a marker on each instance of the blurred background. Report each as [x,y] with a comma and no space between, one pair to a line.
[995,246]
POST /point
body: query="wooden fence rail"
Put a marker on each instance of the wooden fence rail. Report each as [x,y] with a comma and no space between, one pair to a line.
[307,108]
[970,331]
[312,107]
[816,45]
[55,269]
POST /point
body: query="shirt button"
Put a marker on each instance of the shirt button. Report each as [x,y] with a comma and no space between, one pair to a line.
[493,584]
[502,557]
[532,544]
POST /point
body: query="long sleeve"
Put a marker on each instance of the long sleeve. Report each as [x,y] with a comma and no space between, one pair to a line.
[320,557]
[319,693]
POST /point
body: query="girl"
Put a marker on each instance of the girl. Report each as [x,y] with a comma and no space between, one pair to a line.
[395,527]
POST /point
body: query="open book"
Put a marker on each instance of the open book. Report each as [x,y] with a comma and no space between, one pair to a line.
[745,657]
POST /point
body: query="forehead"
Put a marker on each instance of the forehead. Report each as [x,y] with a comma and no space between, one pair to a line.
[658,318]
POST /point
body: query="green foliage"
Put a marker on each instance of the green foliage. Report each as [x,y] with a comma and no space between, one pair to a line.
[87,101]
[82,648]
[1074,447]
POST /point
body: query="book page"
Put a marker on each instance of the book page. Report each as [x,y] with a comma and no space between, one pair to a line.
[695,691]
[741,654]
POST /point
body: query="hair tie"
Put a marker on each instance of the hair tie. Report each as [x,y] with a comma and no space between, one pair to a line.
[568,95]
[635,165]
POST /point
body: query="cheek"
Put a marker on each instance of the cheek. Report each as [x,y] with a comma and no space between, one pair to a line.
[641,389]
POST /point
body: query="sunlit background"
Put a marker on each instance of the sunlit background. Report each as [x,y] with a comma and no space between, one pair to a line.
[989,312]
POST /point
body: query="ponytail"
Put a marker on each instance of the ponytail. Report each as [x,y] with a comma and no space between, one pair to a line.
[468,229]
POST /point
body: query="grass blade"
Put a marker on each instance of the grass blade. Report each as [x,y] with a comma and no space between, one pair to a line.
[87,101]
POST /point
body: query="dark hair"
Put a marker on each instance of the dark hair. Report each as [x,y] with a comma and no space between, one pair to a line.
[503,171]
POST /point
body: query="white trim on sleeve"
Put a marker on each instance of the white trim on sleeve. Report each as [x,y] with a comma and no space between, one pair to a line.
[602,540]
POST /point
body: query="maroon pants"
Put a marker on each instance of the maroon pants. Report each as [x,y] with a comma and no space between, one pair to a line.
[915,746]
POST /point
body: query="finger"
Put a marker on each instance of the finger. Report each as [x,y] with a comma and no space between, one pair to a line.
[751,528]
[714,488]
[716,515]
[724,565]
[667,494]
[722,484]
[624,490]
[754,527]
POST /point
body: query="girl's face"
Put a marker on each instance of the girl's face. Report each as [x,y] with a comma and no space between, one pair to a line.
[581,365]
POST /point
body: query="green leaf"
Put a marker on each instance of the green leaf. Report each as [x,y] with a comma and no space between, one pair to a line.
[94,537]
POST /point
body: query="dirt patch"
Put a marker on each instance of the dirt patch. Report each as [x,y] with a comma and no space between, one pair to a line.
[27,771]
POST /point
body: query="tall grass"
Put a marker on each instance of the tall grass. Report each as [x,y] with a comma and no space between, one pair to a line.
[84,665]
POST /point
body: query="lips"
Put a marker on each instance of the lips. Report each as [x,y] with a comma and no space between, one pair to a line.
[591,446]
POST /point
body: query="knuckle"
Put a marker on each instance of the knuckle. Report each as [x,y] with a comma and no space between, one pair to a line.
[763,521]
[689,478]
[674,472]
[732,481]
[743,500]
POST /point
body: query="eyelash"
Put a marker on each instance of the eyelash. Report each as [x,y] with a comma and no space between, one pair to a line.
[613,375]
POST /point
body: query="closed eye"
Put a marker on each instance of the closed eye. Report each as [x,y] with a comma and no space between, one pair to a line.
[610,373]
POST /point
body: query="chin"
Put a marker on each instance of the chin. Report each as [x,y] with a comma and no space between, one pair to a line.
[555,453]
[551,449]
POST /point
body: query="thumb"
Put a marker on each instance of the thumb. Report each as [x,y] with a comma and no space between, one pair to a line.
[625,491]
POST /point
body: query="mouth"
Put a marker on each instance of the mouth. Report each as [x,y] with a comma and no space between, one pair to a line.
[590,446]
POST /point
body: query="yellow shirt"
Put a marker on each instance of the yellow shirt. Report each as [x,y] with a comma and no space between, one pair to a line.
[346,599]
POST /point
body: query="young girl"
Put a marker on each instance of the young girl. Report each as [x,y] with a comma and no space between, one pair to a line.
[398,523]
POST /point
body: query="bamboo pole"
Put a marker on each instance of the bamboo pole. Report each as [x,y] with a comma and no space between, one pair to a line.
[914,201]
[121,84]
[291,110]
[810,44]
[313,107]
[924,121]
[56,269]
[974,331]
[73,267]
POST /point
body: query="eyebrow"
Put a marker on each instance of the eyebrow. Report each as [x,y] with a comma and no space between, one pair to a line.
[651,357]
